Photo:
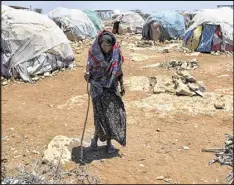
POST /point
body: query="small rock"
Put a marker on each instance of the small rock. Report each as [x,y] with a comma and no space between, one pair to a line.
[160,178]
[141,165]
[219,105]
[185,147]
[12,129]
[158,130]
[25,137]
[63,69]
[47,74]
[51,105]
[36,78]
[165,50]
[193,86]
[183,89]
[35,152]
[4,83]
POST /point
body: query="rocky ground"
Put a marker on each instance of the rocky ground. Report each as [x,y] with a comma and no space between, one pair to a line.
[178,102]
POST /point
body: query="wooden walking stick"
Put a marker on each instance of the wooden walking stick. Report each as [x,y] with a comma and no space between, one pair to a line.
[81,154]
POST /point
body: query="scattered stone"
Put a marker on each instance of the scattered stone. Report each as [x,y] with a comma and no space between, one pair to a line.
[12,129]
[194,87]
[182,89]
[36,78]
[35,152]
[160,178]
[158,130]
[165,50]
[59,149]
[47,74]
[185,147]
[63,69]
[141,165]
[219,105]
[4,83]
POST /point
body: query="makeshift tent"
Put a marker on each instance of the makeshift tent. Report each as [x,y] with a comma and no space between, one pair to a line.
[6,8]
[75,23]
[163,25]
[95,19]
[105,15]
[212,30]
[32,44]
[128,21]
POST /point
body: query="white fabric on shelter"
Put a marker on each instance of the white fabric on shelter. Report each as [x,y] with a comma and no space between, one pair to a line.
[75,20]
[220,16]
[26,35]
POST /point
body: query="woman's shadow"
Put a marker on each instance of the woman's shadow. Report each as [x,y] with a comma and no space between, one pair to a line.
[90,155]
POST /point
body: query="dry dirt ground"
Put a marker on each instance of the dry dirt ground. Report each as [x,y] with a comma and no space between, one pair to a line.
[33,114]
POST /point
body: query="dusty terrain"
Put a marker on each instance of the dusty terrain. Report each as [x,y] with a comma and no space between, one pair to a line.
[33,114]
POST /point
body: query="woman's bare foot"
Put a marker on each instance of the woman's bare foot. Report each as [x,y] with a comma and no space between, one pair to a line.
[110,148]
[94,144]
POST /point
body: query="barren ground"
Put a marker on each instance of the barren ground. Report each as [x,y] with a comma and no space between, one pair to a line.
[33,114]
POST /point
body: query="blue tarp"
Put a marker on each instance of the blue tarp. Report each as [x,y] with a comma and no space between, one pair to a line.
[172,21]
[207,38]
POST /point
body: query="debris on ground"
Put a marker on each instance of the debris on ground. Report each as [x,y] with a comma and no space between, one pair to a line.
[180,64]
[224,156]
[39,173]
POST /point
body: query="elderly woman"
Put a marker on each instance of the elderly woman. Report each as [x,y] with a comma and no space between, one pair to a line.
[104,73]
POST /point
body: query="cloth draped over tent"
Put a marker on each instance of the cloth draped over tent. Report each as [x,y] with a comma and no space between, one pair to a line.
[29,39]
[75,21]
[95,19]
[222,19]
[172,21]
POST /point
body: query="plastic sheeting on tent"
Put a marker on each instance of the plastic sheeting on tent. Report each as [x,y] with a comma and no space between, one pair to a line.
[105,15]
[95,19]
[6,8]
[75,21]
[130,19]
[172,21]
[219,16]
[29,43]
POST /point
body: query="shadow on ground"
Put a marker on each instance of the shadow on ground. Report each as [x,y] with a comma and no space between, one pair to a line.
[90,155]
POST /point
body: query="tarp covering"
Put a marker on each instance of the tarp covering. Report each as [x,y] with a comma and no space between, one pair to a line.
[75,21]
[219,16]
[172,21]
[130,19]
[95,19]
[6,8]
[27,37]
[105,15]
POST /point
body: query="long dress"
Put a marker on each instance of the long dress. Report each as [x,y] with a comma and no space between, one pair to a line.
[109,117]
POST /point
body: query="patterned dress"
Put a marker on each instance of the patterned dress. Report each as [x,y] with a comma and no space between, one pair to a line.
[109,117]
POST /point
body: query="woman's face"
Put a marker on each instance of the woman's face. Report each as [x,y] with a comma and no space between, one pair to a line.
[106,47]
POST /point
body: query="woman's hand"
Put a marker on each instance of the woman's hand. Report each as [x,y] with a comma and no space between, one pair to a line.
[86,76]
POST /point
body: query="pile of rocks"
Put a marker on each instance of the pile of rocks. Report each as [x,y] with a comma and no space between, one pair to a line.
[182,83]
[180,64]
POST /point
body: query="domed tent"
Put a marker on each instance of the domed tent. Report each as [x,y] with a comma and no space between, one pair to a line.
[6,8]
[32,44]
[127,21]
[212,30]
[163,25]
[95,19]
[75,23]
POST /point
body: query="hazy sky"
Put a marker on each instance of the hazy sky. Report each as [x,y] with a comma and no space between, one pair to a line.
[145,6]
